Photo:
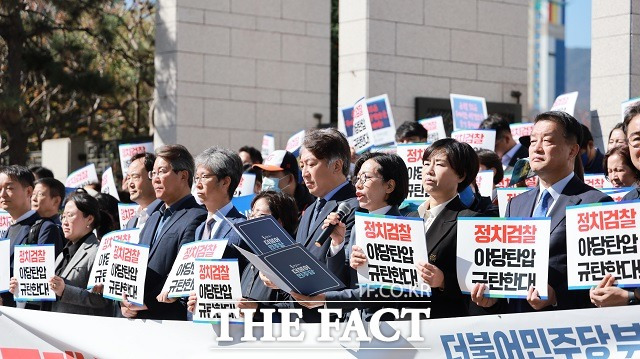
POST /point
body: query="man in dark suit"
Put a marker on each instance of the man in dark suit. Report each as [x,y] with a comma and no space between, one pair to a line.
[16,189]
[506,147]
[141,189]
[554,146]
[166,230]
[218,173]
[324,161]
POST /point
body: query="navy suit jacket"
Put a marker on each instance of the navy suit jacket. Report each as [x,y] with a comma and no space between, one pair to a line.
[154,206]
[179,229]
[633,194]
[49,234]
[576,192]
[225,231]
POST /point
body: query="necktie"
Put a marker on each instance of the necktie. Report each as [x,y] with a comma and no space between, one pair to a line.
[206,233]
[165,217]
[543,205]
[318,209]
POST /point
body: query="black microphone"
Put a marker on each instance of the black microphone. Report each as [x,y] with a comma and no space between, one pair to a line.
[343,210]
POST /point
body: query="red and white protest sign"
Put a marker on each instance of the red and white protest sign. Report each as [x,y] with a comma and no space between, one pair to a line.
[129,150]
[435,128]
[506,194]
[393,246]
[127,272]
[509,255]
[565,103]
[295,142]
[81,177]
[476,138]
[180,280]
[484,180]
[109,183]
[411,154]
[33,266]
[246,185]
[604,240]
[126,211]
[5,222]
[597,180]
[102,262]
[520,130]
[268,144]
[217,283]
[362,138]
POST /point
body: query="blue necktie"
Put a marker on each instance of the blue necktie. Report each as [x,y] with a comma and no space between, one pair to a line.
[318,209]
[543,205]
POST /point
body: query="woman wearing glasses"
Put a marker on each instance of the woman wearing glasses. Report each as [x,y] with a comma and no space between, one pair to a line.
[73,266]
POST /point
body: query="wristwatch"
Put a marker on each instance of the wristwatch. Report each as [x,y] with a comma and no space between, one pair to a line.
[632,297]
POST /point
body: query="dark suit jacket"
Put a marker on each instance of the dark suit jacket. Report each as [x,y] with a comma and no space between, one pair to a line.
[633,194]
[18,233]
[154,206]
[576,192]
[179,229]
[308,233]
[225,231]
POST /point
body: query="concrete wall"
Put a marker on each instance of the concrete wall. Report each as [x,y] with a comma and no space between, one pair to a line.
[615,58]
[228,71]
[430,48]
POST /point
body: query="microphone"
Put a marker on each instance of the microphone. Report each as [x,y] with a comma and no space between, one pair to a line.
[343,210]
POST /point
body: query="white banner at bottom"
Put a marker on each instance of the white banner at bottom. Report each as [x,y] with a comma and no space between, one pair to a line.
[595,333]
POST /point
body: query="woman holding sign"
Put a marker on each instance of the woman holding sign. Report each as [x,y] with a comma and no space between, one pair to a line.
[73,266]
[382,184]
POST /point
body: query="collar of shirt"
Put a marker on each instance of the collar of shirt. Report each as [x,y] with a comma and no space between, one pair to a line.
[221,213]
[506,158]
[73,247]
[335,190]
[28,214]
[174,207]
[556,189]
[435,211]
[382,210]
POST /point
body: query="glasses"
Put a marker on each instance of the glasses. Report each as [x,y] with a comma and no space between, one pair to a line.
[363,179]
[203,178]
[68,217]
[161,172]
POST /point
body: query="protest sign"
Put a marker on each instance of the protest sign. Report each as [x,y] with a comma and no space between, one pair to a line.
[129,150]
[434,127]
[5,222]
[411,154]
[506,194]
[102,261]
[393,246]
[604,240]
[245,187]
[217,283]
[243,204]
[268,144]
[126,211]
[617,193]
[468,112]
[127,272]
[484,180]
[477,138]
[180,280]
[362,138]
[81,177]
[565,103]
[380,116]
[5,276]
[520,130]
[597,180]
[509,255]
[109,184]
[392,149]
[295,142]
[33,267]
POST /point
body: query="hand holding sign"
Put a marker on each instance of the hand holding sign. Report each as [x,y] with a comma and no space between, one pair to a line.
[477,296]
[536,302]
[431,274]
[129,309]
[607,294]
[358,258]
[57,285]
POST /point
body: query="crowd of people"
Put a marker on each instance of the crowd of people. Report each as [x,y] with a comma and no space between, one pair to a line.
[302,194]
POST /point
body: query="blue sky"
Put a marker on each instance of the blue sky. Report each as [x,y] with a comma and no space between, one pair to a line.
[578,23]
